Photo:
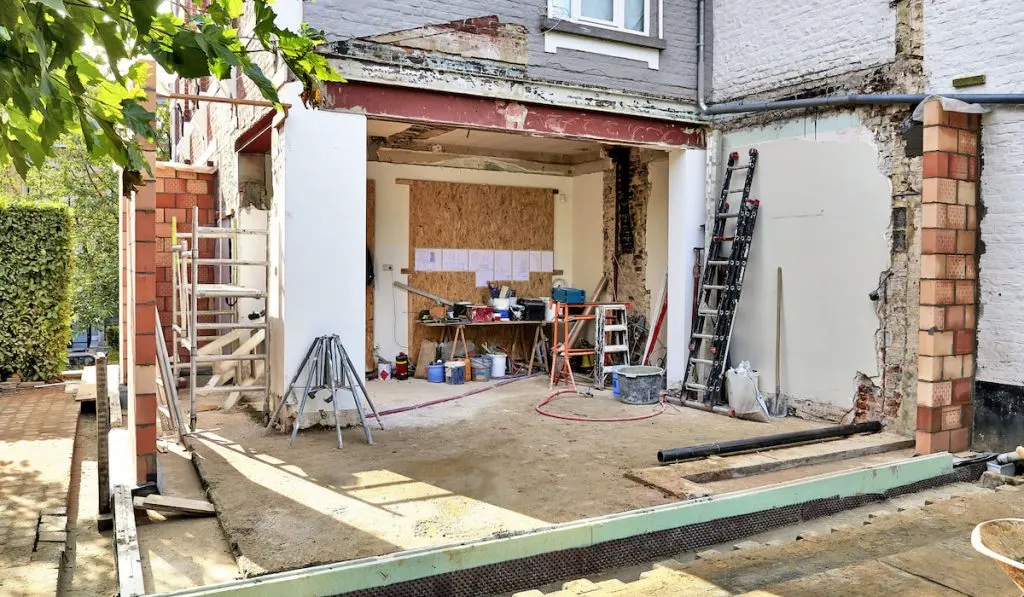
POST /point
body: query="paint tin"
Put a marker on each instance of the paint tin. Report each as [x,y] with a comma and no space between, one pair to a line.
[435,373]
[498,365]
[455,372]
[481,368]
[384,371]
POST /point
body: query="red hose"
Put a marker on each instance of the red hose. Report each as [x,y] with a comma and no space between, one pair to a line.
[540,408]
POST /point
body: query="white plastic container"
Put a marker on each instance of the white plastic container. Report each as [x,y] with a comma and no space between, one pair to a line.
[498,365]
[549,311]
[384,371]
[501,304]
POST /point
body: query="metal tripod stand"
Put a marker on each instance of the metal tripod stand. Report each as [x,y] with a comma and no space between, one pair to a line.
[329,368]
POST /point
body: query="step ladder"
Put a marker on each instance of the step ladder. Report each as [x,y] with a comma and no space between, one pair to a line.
[611,340]
[224,328]
[721,284]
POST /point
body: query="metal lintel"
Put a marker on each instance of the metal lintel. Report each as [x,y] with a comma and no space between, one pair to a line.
[378,571]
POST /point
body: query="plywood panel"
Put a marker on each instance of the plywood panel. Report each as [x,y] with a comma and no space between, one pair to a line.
[475,216]
[371,204]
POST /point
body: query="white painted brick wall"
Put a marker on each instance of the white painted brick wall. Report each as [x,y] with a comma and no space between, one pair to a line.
[987,37]
[767,44]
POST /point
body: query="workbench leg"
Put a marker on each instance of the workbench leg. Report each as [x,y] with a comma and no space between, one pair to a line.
[533,351]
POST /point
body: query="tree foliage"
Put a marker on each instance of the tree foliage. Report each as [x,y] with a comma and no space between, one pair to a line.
[89,187]
[77,66]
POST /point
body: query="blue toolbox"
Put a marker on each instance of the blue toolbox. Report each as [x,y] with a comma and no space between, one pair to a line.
[568,295]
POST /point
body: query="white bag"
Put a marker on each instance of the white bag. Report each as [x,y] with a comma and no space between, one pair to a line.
[744,397]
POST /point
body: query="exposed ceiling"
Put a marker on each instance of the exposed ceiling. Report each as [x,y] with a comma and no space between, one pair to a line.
[403,143]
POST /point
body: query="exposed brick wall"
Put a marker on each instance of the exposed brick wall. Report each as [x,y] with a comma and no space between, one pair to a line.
[765,45]
[179,188]
[946,342]
[678,64]
[983,37]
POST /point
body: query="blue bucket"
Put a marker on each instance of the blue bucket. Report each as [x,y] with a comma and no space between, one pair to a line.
[435,373]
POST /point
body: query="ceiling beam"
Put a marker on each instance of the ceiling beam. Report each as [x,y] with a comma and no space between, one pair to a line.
[565,159]
[471,162]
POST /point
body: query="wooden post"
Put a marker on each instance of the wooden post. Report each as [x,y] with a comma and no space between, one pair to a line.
[102,430]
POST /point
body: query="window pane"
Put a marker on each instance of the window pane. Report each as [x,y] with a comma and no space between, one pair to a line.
[560,9]
[635,14]
[598,9]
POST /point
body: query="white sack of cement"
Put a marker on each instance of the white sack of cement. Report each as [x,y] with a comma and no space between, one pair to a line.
[744,397]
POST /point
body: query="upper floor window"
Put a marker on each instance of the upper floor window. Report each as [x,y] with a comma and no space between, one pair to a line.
[623,15]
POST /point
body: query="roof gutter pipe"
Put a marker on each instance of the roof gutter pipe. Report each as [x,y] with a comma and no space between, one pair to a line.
[876,99]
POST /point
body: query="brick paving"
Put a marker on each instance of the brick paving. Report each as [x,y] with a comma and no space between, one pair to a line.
[37,434]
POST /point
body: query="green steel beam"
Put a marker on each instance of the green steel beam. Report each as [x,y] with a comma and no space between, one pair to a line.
[342,577]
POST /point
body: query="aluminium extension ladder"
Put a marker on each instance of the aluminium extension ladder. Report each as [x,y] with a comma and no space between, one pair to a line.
[721,285]
[611,337]
[187,328]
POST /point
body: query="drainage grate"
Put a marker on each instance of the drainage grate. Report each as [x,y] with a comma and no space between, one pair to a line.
[527,573]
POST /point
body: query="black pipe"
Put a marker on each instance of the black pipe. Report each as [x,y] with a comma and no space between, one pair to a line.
[766,441]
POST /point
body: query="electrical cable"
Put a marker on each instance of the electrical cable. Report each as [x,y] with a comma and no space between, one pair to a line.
[540,409]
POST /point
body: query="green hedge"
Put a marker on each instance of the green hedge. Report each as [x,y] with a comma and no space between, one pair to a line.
[35,297]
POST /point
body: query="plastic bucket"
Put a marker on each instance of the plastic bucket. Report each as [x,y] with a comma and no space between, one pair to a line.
[455,372]
[641,385]
[435,373]
[481,368]
[498,365]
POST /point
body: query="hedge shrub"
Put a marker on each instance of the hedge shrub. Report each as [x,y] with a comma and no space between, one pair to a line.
[35,296]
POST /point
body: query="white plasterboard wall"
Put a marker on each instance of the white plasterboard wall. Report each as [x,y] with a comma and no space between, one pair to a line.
[318,222]
[578,235]
[823,218]
[657,242]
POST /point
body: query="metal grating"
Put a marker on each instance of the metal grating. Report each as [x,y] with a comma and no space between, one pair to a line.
[569,564]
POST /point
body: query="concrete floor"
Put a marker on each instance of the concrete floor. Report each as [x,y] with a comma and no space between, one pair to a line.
[918,544]
[461,470]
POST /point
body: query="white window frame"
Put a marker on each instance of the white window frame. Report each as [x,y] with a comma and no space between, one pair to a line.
[618,15]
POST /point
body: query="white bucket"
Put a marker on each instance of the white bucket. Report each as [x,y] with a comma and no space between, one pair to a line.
[498,365]
[501,304]
[384,371]
[549,311]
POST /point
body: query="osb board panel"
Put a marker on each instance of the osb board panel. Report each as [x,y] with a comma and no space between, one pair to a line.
[371,203]
[445,215]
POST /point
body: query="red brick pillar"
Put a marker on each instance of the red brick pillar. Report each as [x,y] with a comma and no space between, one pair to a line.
[144,350]
[949,229]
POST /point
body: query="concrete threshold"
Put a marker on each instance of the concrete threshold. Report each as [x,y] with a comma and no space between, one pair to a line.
[521,561]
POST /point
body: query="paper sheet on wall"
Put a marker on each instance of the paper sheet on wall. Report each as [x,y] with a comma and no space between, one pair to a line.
[520,265]
[455,260]
[428,260]
[502,265]
[481,260]
[547,259]
[483,276]
[535,261]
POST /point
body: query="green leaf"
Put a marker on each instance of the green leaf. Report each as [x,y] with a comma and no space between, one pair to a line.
[144,12]
[138,119]
[57,5]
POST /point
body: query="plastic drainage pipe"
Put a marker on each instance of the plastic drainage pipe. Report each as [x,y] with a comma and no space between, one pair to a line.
[766,441]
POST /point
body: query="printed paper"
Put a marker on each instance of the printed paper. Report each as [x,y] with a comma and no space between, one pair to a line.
[535,261]
[520,266]
[547,261]
[502,265]
[483,276]
[428,260]
[455,260]
[481,260]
